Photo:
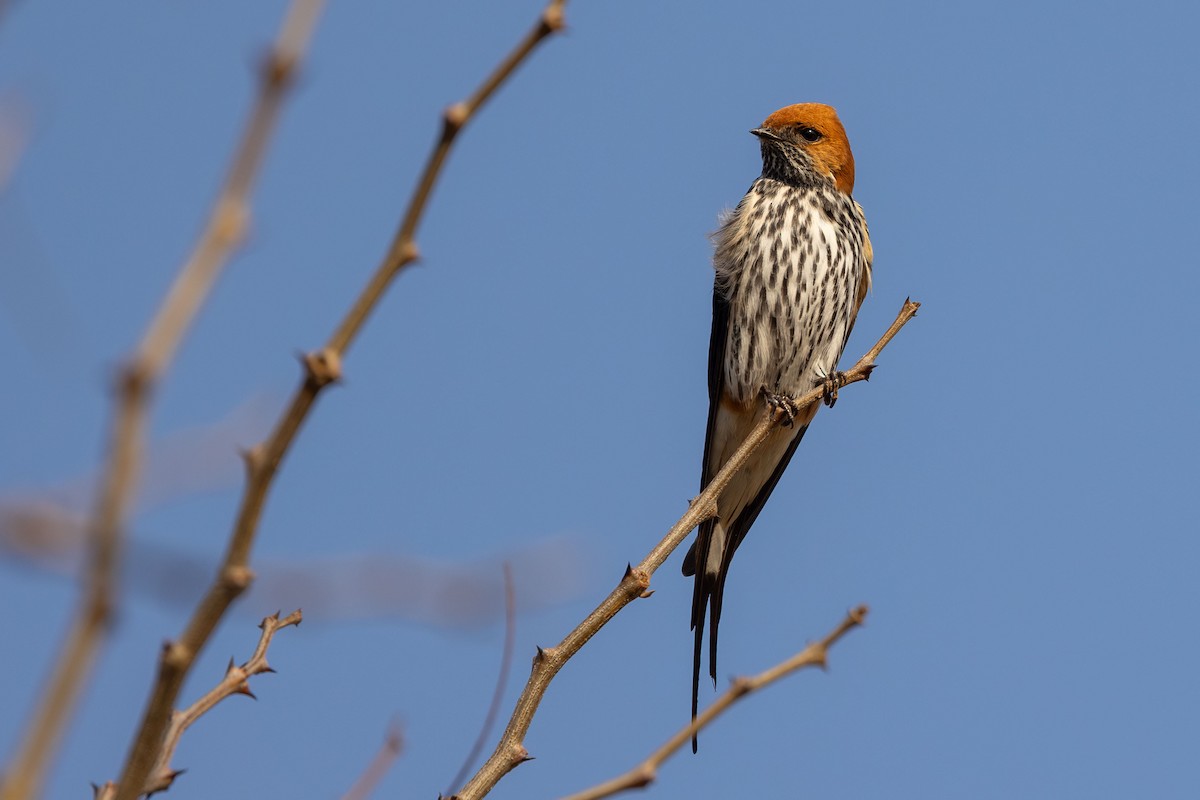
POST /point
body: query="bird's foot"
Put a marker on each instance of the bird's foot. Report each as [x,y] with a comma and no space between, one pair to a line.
[831,384]
[783,403]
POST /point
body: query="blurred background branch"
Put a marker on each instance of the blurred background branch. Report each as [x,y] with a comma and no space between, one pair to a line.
[321,368]
[135,385]
[235,681]
[389,751]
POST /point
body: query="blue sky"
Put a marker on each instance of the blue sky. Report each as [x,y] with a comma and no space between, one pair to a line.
[1013,493]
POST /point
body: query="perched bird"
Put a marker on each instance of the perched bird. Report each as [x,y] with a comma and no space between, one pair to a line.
[793,263]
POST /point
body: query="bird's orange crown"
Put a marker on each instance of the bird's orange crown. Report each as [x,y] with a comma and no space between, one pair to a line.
[831,153]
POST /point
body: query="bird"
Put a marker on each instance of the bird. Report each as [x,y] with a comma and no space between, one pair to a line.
[793,265]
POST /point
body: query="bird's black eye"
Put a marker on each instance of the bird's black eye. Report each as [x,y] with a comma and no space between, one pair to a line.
[810,134]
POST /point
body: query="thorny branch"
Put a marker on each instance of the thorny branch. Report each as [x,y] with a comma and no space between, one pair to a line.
[645,773]
[510,751]
[236,681]
[136,382]
[321,368]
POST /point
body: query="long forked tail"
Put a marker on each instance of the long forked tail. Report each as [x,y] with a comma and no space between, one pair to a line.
[709,578]
[705,595]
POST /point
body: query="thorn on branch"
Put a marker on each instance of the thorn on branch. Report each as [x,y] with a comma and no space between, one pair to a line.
[237,579]
[174,654]
[292,619]
[709,511]
[409,253]
[278,69]
[638,580]
[134,377]
[453,118]
[643,778]
[163,781]
[322,367]
[518,754]
[553,18]
[252,457]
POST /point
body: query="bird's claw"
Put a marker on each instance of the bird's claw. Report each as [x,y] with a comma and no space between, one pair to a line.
[783,403]
[831,385]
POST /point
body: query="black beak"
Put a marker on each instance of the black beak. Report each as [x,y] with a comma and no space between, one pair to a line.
[766,133]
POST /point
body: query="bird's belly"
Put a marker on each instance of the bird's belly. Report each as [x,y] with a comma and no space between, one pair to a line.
[790,310]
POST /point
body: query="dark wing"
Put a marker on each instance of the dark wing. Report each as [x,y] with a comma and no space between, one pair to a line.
[693,562]
[716,383]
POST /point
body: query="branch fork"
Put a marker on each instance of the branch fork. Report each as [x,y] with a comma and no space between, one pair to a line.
[636,581]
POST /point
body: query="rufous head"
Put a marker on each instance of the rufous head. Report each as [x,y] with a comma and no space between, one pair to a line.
[814,129]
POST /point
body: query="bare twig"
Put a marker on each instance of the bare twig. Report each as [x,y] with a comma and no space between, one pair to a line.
[389,751]
[236,681]
[136,382]
[321,368]
[645,773]
[510,751]
[510,637]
